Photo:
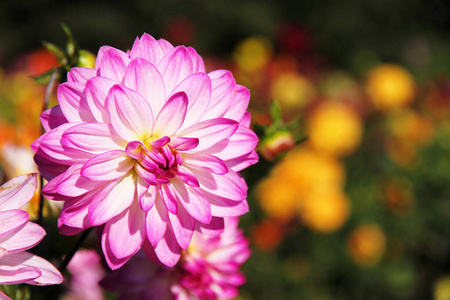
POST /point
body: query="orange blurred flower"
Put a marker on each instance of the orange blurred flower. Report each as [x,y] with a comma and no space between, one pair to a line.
[334,128]
[278,197]
[39,62]
[253,54]
[367,244]
[389,86]
[407,132]
[267,235]
[398,194]
[306,170]
[324,210]
[292,91]
[301,172]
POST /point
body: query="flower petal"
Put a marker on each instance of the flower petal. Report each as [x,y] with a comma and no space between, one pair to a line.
[49,274]
[107,166]
[128,226]
[171,116]
[230,185]
[198,90]
[75,213]
[96,90]
[52,118]
[13,273]
[193,200]
[239,163]
[148,198]
[210,132]
[113,64]
[92,138]
[238,106]
[223,90]
[16,192]
[25,238]
[156,221]
[148,48]
[71,183]
[206,161]
[243,141]
[52,144]
[12,220]
[131,115]
[183,227]
[167,250]
[176,66]
[113,262]
[80,74]
[70,98]
[104,205]
[101,52]
[143,77]
[169,198]
[214,228]
[183,143]
[222,207]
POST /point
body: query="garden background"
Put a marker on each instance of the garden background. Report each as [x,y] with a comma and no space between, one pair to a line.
[359,208]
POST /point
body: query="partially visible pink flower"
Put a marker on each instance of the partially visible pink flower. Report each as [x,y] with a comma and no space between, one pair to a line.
[86,272]
[17,234]
[209,269]
[148,145]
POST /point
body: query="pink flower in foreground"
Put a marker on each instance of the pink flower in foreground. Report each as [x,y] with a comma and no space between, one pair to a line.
[209,269]
[86,272]
[148,145]
[17,234]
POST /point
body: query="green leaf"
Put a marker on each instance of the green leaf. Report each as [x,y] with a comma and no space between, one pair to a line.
[275,113]
[44,78]
[71,46]
[60,55]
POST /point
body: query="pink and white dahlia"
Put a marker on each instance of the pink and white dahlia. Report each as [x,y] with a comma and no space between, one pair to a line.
[86,271]
[17,234]
[208,269]
[148,145]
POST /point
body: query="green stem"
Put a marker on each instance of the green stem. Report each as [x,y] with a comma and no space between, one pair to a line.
[45,102]
[74,249]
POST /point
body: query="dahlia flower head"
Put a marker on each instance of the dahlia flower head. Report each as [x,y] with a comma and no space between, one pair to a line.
[17,234]
[148,146]
[86,271]
[208,269]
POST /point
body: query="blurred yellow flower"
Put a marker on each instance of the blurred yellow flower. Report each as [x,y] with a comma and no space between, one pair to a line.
[441,289]
[292,92]
[308,169]
[407,131]
[324,210]
[390,86]
[86,59]
[342,86]
[253,54]
[301,172]
[334,128]
[409,126]
[277,197]
[367,244]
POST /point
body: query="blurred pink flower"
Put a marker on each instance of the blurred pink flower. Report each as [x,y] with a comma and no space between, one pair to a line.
[209,269]
[17,234]
[86,272]
[149,145]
